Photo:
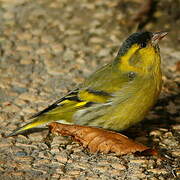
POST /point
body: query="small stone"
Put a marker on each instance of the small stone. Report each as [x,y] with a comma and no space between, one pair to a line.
[11,108]
[55,176]
[29,110]
[23,48]
[176,153]
[153,178]
[19,145]
[158,171]
[178,172]
[115,172]
[96,40]
[35,136]
[61,158]
[155,133]
[23,158]
[163,129]
[73,31]
[4,144]
[75,172]
[103,53]
[168,134]
[118,166]
[19,89]
[42,155]
[41,51]
[171,108]
[139,161]
[81,165]
[19,102]
[17,174]
[21,153]
[54,150]
[28,96]
[25,167]
[68,55]
[67,178]
[59,140]
[26,36]
[8,15]
[41,162]
[57,48]
[26,61]
[176,127]
[101,169]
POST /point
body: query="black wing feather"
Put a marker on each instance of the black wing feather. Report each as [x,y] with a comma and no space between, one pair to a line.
[73,96]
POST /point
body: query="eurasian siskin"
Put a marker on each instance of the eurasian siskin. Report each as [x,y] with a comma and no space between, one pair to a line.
[118,94]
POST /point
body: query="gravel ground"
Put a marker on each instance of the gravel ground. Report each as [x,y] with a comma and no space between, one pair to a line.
[47,48]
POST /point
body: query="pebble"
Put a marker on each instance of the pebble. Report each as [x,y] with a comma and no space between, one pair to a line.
[41,162]
[23,48]
[96,40]
[168,134]
[5,144]
[29,110]
[176,153]
[54,150]
[155,133]
[176,127]
[26,61]
[59,140]
[19,89]
[68,55]
[11,108]
[101,169]
[28,96]
[61,157]
[75,172]
[17,174]
[25,159]
[35,136]
[25,145]
[81,165]
[114,172]
[21,153]
[55,176]
[19,102]
[103,53]
[118,166]
[163,129]
[158,171]
[141,162]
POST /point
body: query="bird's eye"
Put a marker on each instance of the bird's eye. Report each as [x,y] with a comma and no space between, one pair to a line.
[131,75]
[143,45]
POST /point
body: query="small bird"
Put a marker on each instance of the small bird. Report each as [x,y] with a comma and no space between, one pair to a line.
[116,96]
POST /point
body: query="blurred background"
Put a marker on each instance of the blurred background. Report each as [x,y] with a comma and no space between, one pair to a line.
[48,47]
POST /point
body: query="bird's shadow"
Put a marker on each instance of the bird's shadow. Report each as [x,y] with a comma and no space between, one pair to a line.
[30,131]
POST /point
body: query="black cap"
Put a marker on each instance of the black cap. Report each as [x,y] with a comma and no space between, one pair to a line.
[135,38]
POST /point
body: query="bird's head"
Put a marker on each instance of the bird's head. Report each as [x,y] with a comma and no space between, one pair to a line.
[140,51]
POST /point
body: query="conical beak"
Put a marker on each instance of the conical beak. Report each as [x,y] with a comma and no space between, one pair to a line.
[157,36]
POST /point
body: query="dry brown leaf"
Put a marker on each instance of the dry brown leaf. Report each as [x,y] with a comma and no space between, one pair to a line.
[99,140]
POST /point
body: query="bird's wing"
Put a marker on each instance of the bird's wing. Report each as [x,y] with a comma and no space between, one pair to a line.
[96,89]
[63,109]
[78,97]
